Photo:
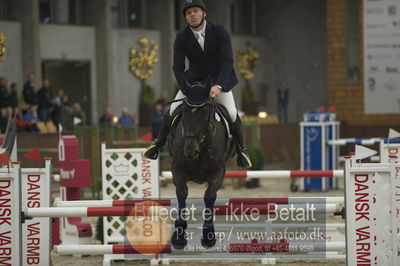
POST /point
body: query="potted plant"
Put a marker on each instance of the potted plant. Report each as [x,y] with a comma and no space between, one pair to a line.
[141,64]
[249,103]
[247,64]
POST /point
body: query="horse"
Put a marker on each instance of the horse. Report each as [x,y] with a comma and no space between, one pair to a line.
[200,147]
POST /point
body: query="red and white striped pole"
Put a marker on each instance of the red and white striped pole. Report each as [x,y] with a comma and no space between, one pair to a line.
[200,202]
[111,249]
[162,210]
[274,174]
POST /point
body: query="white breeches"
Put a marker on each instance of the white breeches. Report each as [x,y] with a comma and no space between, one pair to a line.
[224,98]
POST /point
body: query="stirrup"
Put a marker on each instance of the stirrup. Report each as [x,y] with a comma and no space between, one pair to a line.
[243,160]
[151,152]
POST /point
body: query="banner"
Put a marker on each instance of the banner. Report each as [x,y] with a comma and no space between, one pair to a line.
[382,56]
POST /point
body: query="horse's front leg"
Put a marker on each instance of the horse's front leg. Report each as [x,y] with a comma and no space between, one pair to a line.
[178,238]
[208,238]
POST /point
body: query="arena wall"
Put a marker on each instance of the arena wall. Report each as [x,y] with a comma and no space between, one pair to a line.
[347,97]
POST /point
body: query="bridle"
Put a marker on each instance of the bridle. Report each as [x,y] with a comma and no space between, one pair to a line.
[211,121]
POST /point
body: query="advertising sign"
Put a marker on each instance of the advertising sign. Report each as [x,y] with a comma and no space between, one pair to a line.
[382,56]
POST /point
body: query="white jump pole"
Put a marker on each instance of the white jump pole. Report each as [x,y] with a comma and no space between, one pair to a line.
[274,174]
[365,142]
[374,159]
[168,249]
[353,141]
[229,226]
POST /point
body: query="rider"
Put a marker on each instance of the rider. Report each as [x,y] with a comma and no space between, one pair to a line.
[208,48]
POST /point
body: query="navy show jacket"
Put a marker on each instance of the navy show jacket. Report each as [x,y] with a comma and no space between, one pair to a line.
[215,62]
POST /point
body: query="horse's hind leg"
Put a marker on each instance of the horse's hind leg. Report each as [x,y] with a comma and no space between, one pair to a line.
[178,239]
[208,238]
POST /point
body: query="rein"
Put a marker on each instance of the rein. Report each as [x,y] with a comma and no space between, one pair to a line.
[168,104]
[190,103]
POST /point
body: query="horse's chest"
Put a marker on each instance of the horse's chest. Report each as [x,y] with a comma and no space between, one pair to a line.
[198,166]
[198,171]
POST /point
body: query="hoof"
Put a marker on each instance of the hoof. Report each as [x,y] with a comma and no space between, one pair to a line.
[208,238]
[178,241]
[208,243]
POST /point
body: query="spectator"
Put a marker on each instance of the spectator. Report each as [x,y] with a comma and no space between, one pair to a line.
[4,103]
[107,117]
[67,106]
[31,117]
[156,120]
[4,93]
[66,111]
[29,95]
[14,97]
[283,100]
[44,101]
[126,120]
[58,103]
[22,125]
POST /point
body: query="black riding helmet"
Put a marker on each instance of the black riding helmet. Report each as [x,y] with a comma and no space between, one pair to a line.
[191,3]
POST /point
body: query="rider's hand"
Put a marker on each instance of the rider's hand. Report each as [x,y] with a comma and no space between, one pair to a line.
[215,91]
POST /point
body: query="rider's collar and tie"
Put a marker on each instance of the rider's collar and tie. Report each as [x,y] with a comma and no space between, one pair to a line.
[200,35]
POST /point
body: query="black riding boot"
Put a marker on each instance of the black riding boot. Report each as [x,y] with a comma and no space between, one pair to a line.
[243,158]
[154,149]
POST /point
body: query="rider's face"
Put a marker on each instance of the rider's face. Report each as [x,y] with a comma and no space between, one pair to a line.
[194,16]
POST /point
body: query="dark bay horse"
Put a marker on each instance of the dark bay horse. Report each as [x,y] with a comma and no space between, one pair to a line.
[200,148]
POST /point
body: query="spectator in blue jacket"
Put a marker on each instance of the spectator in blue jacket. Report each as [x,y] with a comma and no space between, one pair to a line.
[31,117]
[126,120]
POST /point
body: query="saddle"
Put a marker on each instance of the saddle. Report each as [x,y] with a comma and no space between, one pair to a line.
[222,113]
